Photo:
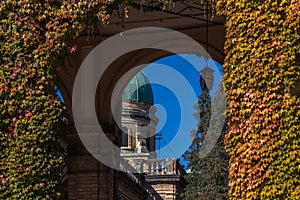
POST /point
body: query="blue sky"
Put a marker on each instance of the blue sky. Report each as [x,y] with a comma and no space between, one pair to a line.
[175,85]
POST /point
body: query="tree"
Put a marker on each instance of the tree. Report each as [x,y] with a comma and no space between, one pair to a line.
[207,177]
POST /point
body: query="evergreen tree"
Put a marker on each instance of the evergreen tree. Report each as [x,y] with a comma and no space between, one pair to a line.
[207,176]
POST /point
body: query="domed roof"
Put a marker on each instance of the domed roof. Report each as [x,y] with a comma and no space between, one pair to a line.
[138,89]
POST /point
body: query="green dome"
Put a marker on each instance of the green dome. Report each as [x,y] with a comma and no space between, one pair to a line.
[138,89]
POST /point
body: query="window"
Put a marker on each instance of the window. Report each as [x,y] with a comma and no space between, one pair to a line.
[124,137]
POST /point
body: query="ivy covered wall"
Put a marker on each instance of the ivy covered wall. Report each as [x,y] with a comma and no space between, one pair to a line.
[261,66]
[35,36]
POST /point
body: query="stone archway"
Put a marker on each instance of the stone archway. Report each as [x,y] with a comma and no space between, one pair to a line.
[129,61]
[88,178]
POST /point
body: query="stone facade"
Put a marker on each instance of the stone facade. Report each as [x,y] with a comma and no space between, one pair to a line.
[162,178]
[139,120]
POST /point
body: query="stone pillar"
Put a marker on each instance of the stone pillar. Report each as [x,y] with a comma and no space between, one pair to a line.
[87,177]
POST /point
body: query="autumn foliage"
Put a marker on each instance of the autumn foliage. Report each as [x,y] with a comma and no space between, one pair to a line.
[34,38]
[261,67]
